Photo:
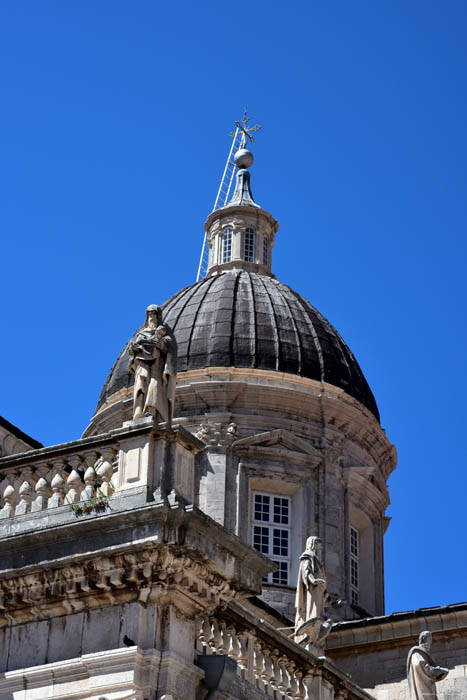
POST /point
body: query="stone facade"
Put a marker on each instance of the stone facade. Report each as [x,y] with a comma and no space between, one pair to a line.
[374,651]
[112,584]
[294,436]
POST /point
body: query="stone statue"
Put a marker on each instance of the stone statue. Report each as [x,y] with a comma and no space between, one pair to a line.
[422,671]
[311,625]
[153,359]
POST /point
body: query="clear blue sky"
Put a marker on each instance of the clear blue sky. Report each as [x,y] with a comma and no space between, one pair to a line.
[114,130]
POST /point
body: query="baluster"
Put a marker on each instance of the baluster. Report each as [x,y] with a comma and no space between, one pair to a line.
[267,673]
[225,644]
[258,663]
[205,632]
[105,470]
[215,641]
[42,488]
[243,651]
[42,491]
[9,497]
[58,485]
[276,672]
[233,649]
[74,485]
[310,682]
[284,676]
[292,691]
[89,479]
[300,694]
[25,497]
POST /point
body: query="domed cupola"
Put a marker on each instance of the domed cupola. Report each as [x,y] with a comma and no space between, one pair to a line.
[293,444]
[239,315]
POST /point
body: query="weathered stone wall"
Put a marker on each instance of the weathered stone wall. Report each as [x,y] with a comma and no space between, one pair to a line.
[277,433]
[77,634]
[454,687]
[374,651]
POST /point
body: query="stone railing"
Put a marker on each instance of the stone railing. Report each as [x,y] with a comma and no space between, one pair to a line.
[270,661]
[70,473]
[139,457]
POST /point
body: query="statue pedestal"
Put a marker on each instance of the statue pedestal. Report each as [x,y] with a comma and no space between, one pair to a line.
[158,457]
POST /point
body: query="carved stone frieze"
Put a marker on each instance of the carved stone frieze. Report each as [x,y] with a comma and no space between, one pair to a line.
[163,574]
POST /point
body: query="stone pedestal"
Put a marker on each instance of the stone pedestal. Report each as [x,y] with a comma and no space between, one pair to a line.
[159,458]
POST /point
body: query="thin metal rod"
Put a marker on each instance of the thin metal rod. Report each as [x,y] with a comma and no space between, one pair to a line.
[225,169]
[216,201]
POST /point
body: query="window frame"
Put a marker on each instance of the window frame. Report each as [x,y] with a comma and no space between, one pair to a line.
[280,577]
[249,231]
[226,245]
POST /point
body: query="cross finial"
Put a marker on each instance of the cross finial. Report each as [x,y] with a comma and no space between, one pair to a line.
[246,132]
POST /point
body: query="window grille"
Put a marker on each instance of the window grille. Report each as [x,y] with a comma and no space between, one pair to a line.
[227,245]
[271,533]
[265,252]
[354,566]
[249,245]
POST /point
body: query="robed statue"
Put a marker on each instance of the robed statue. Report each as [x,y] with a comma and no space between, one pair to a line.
[311,625]
[422,671]
[153,360]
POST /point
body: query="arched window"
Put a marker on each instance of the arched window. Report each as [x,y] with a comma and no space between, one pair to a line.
[227,244]
[265,252]
[249,245]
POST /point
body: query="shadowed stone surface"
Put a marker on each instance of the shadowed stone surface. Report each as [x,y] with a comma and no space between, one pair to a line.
[241,318]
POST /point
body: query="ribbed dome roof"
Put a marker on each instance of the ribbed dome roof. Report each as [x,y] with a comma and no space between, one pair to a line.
[241,318]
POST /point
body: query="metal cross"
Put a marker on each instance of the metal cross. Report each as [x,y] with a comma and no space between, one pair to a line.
[246,132]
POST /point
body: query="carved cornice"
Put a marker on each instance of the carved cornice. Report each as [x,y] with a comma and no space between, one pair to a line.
[165,574]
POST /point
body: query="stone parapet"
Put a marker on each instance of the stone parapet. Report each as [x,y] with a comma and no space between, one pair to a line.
[84,476]
[270,661]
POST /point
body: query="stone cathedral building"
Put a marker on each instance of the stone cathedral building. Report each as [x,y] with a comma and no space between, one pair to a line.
[149,560]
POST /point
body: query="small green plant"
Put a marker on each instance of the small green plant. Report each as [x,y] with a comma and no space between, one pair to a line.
[98,504]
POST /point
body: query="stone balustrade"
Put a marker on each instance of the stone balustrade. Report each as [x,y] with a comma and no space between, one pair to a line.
[71,473]
[270,661]
[141,462]
[260,662]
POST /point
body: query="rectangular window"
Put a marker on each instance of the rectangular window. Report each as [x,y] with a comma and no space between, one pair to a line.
[354,566]
[227,245]
[271,533]
[249,245]
[265,252]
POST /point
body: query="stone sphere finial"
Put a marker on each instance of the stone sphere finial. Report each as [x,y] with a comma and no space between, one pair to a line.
[243,158]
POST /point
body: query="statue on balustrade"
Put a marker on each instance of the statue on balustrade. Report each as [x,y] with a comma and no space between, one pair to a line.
[311,625]
[422,671]
[153,360]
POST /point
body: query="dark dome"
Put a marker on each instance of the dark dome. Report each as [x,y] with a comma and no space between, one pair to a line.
[246,319]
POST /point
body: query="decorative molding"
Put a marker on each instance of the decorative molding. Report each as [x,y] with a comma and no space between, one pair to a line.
[215,434]
[166,574]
